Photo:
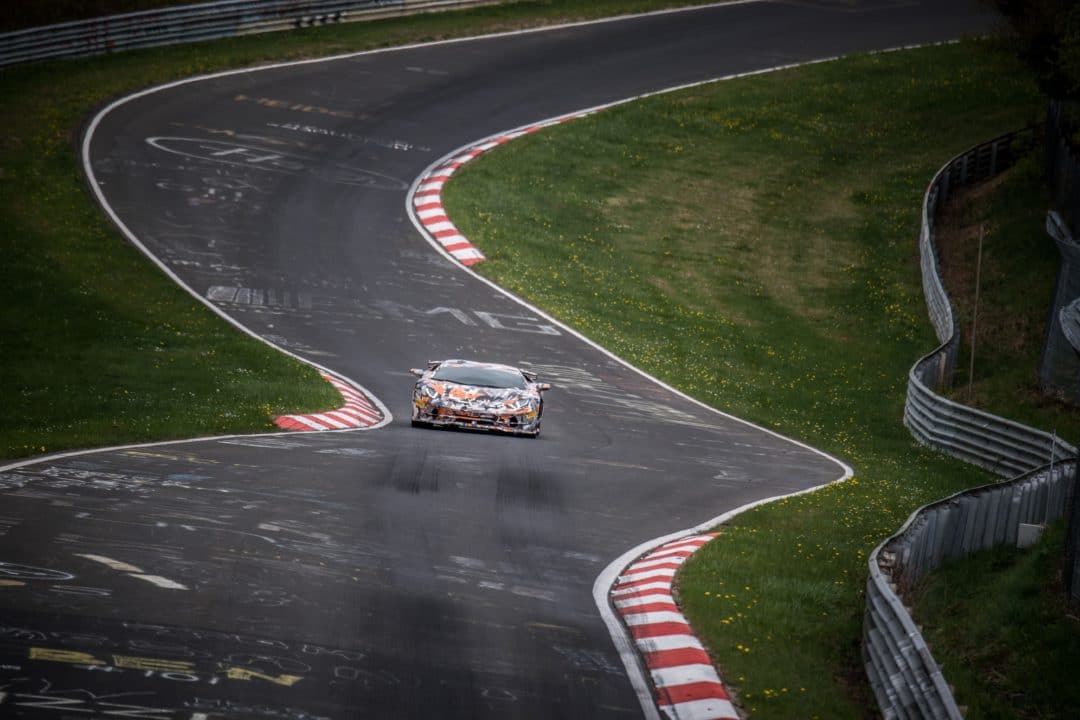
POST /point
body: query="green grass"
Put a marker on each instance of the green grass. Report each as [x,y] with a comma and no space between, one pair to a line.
[754,242]
[1001,626]
[99,347]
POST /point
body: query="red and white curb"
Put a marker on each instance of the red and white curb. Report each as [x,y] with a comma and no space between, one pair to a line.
[686,684]
[427,198]
[358,412]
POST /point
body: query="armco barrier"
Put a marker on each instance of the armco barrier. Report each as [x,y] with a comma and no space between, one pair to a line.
[204,21]
[1001,446]
[906,680]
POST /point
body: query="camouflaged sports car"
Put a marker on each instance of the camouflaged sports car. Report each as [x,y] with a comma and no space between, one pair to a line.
[480,396]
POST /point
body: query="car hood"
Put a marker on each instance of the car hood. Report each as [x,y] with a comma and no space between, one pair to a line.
[479,397]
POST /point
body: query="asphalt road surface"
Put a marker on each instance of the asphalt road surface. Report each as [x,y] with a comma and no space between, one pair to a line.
[398,572]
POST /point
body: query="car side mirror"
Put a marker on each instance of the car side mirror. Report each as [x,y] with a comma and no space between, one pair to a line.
[543,386]
[417,372]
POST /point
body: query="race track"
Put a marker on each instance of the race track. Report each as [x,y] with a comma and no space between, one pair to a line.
[395,572]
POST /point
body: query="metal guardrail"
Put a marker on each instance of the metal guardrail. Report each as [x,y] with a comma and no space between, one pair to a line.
[204,21]
[993,443]
[999,445]
[906,680]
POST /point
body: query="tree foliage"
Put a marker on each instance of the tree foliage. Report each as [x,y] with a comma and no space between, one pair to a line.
[1046,36]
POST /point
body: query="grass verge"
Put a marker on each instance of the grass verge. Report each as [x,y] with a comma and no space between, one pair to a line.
[754,243]
[99,347]
[1000,625]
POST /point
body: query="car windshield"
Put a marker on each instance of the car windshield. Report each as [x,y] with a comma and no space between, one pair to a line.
[480,376]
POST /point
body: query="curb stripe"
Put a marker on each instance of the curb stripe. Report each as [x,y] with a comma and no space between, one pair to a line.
[641,632]
[357,412]
[653,607]
[675,699]
[686,685]
[682,676]
[700,710]
[692,545]
[298,422]
[638,579]
[328,422]
[662,659]
[639,590]
[663,565]
[678,556]
[642,600]
[427,198]
[670,642]
[653,618]
[673,561]
[689,692]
